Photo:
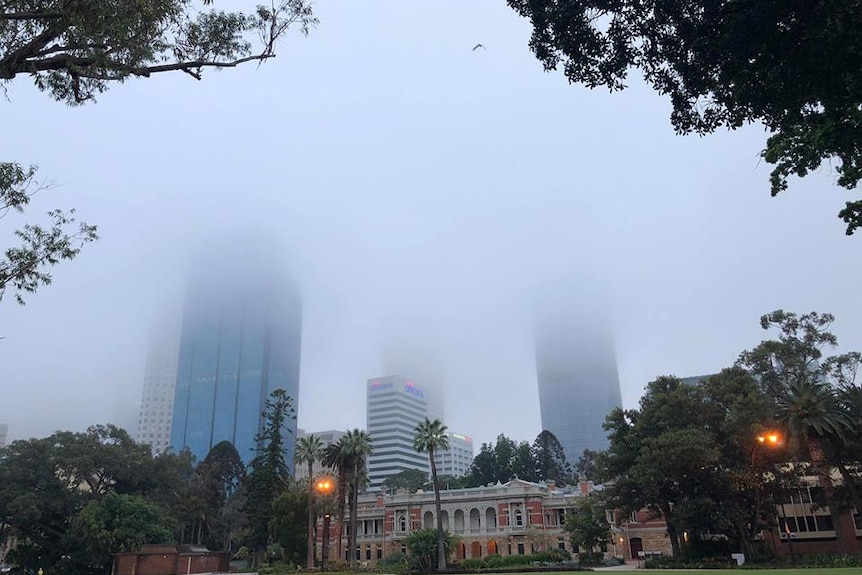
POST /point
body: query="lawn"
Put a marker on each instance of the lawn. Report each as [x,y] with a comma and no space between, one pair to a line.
[811,571]
[806,571]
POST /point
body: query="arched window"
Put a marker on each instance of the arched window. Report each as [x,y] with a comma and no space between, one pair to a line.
[474,520]
[490,519]
[459,521]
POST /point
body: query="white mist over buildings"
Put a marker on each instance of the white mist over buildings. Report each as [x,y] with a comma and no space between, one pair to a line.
[160,378]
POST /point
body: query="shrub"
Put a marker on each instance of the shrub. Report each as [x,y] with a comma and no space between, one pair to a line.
[688,563]
[493,561]
[551,556]
[590,559]
[473,563]
[395,562]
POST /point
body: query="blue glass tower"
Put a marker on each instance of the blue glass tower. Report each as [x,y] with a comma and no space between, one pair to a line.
[576,370]
[241,339]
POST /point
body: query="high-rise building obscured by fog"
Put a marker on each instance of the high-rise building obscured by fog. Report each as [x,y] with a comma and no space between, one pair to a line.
[241,340]
[396,404]
[4,433]
[408,352]
[160,378]
[577,371]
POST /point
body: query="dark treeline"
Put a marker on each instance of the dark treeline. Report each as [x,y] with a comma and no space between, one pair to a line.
[717,456]
[70,500]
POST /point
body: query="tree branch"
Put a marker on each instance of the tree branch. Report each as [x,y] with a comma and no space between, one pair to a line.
[30,16]
[9,64]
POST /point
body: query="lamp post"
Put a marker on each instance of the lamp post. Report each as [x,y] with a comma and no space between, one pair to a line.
[324,486]
[769,440]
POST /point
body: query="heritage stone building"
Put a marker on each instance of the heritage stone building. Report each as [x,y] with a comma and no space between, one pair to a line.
[515,518]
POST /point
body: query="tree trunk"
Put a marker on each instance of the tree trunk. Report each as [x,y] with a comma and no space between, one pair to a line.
[311,518]
[258,557]
[354,520]
[324,552]
[441,540]
[342,487]
[671,529]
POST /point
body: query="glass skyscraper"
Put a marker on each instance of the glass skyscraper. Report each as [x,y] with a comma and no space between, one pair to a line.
[578,381]
[241,340]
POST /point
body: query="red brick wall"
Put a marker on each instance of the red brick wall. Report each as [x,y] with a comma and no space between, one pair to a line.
[535,513]
[169,564]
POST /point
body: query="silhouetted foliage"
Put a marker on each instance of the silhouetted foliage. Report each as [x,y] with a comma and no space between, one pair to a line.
[794,66]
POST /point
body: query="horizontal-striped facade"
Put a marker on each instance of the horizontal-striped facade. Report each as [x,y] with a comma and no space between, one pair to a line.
[395,406]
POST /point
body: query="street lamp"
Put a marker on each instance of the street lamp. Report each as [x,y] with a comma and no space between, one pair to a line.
[324,486]
[771,440]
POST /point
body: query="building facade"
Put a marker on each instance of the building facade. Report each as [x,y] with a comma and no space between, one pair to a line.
[516,518]
[395,405]
[456,460]
[160,379]
[4,433]
[577,376]
[240,341]
[327,438]
[806,525]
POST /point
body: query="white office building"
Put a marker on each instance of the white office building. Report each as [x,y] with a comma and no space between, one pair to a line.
[4,433]
[456,460]
[160,379]
[395,405]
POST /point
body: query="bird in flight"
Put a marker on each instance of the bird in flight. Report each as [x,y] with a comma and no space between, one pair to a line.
[477,46]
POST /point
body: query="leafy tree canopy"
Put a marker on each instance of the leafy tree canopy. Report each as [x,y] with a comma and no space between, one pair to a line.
[99,480]
[76,49]
[502,461]
[793,65]
[116,523]
[269,474]
[549,459]
[587,526]
[23,267]
[409,479]
[288,526]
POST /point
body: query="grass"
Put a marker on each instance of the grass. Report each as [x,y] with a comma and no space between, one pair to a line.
[805,571]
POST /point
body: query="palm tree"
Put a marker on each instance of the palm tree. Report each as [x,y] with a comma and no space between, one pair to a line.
[348,456]
[850,448]
[811,413]
[431,436]
[309,450]
[334,457]
[358,447]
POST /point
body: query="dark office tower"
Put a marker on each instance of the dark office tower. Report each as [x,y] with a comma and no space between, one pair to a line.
[240,341]
[577,374]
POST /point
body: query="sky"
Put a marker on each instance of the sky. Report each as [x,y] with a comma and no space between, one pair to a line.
[418,189]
